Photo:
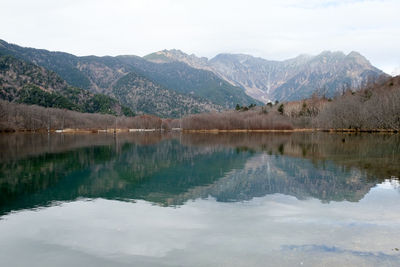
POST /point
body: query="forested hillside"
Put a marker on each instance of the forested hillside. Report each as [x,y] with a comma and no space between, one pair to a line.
[149,97]
[25,82]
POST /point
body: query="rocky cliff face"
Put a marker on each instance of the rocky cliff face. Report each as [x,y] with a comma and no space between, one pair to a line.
[328,73]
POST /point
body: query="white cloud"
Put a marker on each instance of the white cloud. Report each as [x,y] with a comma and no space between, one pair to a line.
[271,29]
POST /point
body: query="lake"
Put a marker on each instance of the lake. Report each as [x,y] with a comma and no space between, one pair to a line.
[151,199]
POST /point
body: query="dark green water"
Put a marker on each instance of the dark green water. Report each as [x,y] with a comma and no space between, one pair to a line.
[200,200]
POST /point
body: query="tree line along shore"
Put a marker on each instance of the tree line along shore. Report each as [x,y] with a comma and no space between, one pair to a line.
[375,108]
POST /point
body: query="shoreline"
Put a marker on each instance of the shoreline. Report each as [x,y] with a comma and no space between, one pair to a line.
[301,130]
[214,131]
[67,131]
[250,131]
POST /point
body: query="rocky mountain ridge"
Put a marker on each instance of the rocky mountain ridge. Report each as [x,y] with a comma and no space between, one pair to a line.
[328,73]
[200,84]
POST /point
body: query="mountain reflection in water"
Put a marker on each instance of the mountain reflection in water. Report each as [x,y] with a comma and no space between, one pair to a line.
[301,199]
[170,169]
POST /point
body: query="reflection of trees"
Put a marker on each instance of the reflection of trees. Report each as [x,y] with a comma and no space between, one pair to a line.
[25,183]
[37,169]
[378,154]
[125,170]
[17,146]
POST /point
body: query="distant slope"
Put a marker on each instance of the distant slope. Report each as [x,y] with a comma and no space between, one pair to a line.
[182,78]
[328,74]
[293,79]
[100,74]
[176,55]
[136,91]
[25,82]
[63,64]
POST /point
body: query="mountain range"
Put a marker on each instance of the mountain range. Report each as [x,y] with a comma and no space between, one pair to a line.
[171,83]
[326,74]
[166,90]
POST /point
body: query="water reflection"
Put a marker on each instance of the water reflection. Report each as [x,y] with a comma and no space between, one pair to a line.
[199,200]
[171,169]
[274,229]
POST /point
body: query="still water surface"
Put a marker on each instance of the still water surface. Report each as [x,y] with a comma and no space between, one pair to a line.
[307,199]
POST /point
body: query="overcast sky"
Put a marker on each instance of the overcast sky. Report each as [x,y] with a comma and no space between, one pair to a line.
[275,29]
